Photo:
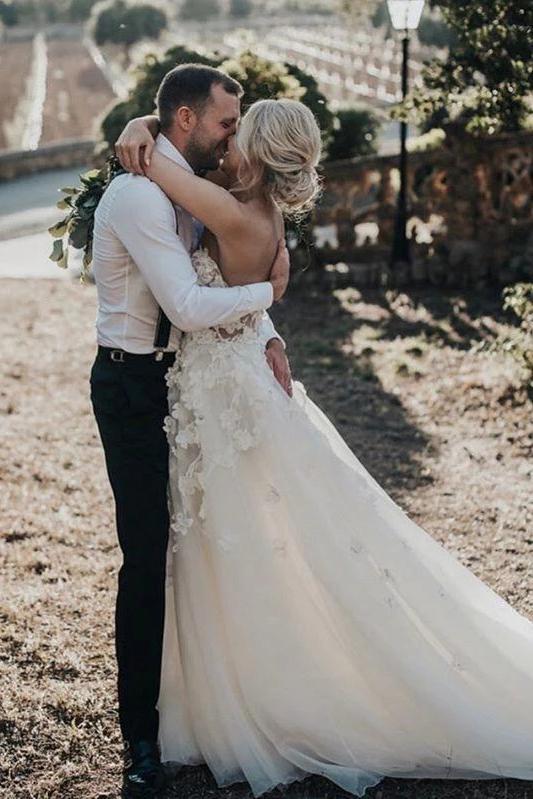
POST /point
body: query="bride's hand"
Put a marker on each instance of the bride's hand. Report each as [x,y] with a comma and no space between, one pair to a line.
[135,144]
[279,363]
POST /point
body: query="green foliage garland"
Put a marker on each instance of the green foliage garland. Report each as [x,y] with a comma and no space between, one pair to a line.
[76,229]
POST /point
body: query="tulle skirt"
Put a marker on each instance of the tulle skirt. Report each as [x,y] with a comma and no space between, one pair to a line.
[311,626]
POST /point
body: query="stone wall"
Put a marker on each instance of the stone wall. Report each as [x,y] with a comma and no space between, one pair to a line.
[471,212]
[15,163]
[471,216]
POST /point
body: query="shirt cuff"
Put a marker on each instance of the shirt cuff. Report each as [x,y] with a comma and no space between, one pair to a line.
[261,295]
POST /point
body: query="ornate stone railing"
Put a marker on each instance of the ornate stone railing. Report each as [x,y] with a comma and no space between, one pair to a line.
[471,204]
[471,215]
[59,155]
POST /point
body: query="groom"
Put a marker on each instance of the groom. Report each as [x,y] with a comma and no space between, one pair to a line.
[147,294]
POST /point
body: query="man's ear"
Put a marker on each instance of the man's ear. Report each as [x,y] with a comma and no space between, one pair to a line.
[185,118]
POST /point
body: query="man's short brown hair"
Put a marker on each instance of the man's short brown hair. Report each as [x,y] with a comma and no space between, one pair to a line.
[190,85]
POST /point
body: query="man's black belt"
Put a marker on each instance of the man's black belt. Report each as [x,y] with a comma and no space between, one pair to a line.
[117,355]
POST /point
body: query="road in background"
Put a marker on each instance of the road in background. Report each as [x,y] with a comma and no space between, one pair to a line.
[27,209]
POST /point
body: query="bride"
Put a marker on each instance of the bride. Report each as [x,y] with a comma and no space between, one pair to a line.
[311,626]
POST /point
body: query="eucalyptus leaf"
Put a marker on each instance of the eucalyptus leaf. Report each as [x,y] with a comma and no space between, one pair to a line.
[83,213]
[89,177]
[57,251]
[63,262]
[87,257]
[79,234]
[59,229]
[90,202]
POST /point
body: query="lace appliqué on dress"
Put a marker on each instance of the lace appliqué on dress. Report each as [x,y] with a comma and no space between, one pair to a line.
[216,369]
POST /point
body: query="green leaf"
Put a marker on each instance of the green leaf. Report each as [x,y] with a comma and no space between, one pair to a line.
[87,257]
[63,261]
[70,190]
[64,204]
[78,235]
[90,202]
[90,177]
[59,229]
[57,251]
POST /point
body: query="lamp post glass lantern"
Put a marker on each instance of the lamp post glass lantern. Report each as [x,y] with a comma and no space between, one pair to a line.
[405,16]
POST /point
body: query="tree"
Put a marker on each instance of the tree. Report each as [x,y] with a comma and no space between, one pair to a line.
[354,134]
[260,78]
[141,99]
[434,32]
[81,9]
[8,13]
[381,16]
[240,8]
[315,100]
[485,83]
[200,9]
[118,22]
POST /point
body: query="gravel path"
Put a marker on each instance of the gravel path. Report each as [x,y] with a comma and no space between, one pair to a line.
[439,427]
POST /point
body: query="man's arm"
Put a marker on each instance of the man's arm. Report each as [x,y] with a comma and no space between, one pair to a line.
[144,220]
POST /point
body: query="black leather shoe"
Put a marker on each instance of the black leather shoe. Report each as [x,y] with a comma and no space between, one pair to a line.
[144,776]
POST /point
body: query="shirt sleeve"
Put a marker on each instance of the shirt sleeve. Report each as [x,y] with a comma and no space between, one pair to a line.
[267,330]
[144,220]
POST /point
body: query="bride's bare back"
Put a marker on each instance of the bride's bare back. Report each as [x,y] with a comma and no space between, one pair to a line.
[248,257]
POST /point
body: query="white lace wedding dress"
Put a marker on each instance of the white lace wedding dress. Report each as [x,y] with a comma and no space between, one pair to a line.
[311,626]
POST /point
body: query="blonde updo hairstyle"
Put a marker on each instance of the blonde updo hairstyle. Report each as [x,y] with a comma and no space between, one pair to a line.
[279,143]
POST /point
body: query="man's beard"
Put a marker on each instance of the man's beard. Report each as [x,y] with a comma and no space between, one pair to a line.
[201,158]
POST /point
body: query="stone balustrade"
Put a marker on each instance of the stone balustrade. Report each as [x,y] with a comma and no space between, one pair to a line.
[470,222]
[17,163]
[471,212]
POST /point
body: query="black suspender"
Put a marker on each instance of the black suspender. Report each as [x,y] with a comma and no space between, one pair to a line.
[162,330]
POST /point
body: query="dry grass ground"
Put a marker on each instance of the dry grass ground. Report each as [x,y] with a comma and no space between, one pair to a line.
[436,425]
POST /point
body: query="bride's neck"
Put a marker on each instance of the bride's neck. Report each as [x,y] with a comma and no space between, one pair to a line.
[256,194]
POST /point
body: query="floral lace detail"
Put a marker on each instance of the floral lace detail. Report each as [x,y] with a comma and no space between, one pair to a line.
[216,368]
[209,274]
[220,393]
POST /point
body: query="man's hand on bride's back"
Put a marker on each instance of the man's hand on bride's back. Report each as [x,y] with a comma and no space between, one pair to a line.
[135,144]
[279,274]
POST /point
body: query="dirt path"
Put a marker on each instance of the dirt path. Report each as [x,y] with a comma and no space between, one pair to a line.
[77,92]
[16,62]
[433,423]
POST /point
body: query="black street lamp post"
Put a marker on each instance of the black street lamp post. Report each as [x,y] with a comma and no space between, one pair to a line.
[405,15]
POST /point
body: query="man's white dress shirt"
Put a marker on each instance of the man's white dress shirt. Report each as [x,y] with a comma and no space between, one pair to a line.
[141,262]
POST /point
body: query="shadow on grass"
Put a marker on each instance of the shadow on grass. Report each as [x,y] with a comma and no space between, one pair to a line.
[449,317]
[197,782]
[317,322]
[371,420]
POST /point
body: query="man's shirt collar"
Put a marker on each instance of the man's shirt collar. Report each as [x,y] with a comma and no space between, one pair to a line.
[165,147]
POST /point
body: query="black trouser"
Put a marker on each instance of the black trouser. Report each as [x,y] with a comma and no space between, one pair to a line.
[130,403]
